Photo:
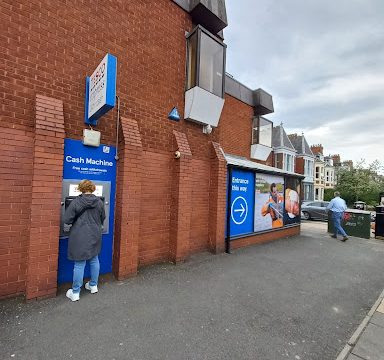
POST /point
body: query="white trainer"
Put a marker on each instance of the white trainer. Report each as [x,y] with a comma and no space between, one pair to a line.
[72,296]
[93,289]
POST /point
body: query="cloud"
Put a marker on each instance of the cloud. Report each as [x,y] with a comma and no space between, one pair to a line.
[323,63]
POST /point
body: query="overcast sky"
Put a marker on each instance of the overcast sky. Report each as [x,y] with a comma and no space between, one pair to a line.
[323,63]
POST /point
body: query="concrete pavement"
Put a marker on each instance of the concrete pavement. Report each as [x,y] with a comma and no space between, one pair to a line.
[297,298]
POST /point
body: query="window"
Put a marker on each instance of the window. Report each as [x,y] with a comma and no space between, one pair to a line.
[206,62]
[288,162]
[262,131]
[308,168]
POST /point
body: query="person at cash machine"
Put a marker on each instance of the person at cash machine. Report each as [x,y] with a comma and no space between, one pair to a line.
[86,214]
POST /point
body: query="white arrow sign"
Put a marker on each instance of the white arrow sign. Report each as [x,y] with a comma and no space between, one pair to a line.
[242,203]
[242,210]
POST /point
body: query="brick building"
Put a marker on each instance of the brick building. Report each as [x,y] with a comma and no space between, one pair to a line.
[165,207]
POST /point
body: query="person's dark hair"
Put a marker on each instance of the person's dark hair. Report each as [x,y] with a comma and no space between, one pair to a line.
[336,193]
[86,186]
[272,186]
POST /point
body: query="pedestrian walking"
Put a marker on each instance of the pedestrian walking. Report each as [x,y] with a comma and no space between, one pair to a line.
[337,205]
[86,214]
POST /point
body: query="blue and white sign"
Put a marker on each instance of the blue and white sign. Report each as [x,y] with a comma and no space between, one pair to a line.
[100,93]
[85,162]
[99,165]
[242,199]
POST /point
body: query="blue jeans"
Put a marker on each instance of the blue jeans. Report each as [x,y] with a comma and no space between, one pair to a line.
[78,273]
[337,217]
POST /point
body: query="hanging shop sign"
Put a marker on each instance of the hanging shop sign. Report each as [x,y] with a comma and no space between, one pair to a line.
[100,93]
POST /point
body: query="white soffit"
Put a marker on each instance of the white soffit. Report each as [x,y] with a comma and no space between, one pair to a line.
[203,107]
[245,163]
[260,152]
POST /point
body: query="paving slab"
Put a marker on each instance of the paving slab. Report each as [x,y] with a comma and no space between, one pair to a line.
[370,346]
[378,319]
[381,307]
[353,357]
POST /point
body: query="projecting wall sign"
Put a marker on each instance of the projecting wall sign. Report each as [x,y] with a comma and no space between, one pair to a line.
[100,93]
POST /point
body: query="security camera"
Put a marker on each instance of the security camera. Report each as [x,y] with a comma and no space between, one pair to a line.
[177,154]
[207,129]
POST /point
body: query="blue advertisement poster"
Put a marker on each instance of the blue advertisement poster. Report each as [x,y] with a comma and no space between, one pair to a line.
[242,198]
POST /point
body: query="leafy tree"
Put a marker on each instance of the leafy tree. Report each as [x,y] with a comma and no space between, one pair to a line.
[328,194]
[361,183]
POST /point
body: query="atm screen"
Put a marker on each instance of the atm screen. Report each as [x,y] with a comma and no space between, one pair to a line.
[73,191]
[69,199]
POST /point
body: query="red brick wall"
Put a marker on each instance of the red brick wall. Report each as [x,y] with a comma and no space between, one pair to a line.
[155,212]
[128,200]
[217,199]
[262,238]
[43,244]
[49,48]
[317,149]
[235,127]
[16,149]
[299,165]
[200,206]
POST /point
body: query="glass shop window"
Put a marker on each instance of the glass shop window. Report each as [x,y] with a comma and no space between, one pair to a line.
[206,61]
[262,131]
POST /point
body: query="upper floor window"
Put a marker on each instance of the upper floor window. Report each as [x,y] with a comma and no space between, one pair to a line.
[206,61]
[262,131]
[288,162]
[308,167]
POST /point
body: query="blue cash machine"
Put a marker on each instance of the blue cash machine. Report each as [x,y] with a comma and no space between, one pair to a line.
[99,165]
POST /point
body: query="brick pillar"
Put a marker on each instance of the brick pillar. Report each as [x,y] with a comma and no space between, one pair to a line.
[217,199]
[46,196]
[128,201]
[181,200]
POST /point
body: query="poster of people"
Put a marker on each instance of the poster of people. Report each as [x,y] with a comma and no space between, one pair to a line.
[269,202]
[292,201]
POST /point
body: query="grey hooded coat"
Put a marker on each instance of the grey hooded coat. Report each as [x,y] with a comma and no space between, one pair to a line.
[85,235]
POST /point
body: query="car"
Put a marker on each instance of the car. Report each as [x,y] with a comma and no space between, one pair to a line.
[314,210]
[360,205]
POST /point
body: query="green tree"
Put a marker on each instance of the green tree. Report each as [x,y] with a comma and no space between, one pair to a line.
[328,194]
[362,183]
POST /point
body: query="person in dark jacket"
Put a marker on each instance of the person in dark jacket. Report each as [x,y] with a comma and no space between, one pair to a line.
[86,214]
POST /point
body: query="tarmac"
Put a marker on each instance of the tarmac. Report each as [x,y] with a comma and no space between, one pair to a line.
[307,297]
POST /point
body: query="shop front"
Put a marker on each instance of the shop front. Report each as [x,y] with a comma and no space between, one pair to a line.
[262,202]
